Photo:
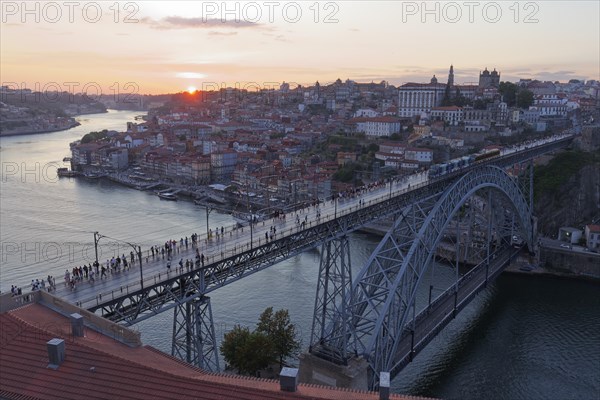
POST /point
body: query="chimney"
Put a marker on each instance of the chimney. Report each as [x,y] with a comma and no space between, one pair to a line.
[77,325]
[56,352]
[288,379]
[384,386]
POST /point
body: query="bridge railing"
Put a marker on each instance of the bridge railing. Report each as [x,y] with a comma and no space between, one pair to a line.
[220,250]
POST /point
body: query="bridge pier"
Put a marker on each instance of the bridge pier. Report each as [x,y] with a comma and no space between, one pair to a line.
[332,301]
[314,369]
[194,339]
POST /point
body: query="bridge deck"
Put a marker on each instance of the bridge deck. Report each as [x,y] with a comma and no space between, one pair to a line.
[233,241]
[237,241]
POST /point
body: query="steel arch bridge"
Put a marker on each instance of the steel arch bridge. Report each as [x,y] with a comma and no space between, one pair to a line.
[381,300]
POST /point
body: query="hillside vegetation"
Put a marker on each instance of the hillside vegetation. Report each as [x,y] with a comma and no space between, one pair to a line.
[567,191]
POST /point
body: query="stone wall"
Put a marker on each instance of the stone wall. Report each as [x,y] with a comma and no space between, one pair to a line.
[566,262]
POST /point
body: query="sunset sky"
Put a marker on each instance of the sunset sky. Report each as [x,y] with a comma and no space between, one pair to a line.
[170,46]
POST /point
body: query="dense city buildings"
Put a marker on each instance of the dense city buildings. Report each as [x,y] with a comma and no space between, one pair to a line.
[312,141]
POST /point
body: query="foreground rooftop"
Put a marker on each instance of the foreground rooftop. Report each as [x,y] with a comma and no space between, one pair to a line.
[96,366]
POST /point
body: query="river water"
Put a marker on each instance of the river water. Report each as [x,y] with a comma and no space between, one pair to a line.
[524,338]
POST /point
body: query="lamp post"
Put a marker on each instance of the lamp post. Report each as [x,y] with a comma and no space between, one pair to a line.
[251,229]
[137,250]
[139,253]
[208,211]
[335,197]
[97,238]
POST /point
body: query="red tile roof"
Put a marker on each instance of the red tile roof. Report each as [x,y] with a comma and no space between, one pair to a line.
[594,228]
[98,367]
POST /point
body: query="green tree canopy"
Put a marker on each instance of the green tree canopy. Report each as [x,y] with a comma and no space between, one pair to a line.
[346,173]
[508,90]
[281,333]
[247,351]
[94,136]
[513,95]
[524,98]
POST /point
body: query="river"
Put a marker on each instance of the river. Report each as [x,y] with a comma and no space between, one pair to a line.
[524,338]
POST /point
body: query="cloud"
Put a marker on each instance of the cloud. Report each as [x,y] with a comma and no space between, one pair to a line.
[176,22]
[216,33]
[190,75]
[279,38]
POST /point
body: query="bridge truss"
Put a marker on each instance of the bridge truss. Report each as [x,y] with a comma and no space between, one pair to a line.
[382,301]
[176,289]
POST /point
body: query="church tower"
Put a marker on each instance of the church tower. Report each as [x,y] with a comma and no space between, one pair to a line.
[451,76]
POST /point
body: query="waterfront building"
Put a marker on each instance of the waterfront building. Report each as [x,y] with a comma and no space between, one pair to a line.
[592,237]
[223,164]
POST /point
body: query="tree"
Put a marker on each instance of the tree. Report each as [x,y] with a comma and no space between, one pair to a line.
[233,342]
[345,173]
[94,136]
[280,331]
[524,98]
[459,100]
[258,352]
[247,351]
[447,99]
[508,90]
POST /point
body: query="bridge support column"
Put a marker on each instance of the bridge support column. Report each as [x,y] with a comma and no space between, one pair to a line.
[412,345]
[329,336]
[194,339]
[314,369]
[489,237]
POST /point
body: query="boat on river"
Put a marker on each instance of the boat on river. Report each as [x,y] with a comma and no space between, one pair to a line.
[168,196]
[65,172]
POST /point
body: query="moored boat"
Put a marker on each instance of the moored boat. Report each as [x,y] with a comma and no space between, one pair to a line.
[65,172]
[168,196]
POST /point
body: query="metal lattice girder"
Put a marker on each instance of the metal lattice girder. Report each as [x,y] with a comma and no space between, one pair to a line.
[385,289]
[194,339]
[131,306]
[333,298]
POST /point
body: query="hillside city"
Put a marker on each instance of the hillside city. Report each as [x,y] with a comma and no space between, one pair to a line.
[309,142]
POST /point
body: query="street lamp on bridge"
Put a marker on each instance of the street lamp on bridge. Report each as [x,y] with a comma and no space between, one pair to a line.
[137,251]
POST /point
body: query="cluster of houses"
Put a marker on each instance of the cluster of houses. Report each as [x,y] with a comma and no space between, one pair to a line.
[265,139]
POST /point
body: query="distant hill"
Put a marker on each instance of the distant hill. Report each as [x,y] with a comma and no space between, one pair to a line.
[25,112]
[135,102]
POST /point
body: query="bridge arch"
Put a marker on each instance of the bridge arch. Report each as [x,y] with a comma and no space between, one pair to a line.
[385,289]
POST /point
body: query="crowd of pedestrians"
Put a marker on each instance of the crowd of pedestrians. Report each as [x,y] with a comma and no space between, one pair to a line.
[48,284]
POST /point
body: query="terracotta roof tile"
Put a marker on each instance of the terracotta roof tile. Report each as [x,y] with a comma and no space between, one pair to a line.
[97,367]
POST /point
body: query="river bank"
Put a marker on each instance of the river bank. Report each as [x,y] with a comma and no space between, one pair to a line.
[36,132]
[551,262]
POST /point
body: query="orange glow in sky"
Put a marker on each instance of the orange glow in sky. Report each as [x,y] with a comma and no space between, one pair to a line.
[164,46]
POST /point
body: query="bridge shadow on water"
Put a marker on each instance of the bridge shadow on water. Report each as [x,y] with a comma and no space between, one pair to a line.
[525,337]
